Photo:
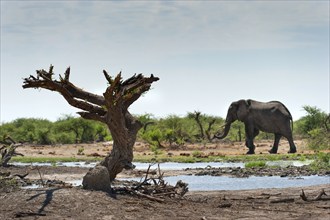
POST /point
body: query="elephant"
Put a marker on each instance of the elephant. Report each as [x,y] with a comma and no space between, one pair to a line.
[270,117]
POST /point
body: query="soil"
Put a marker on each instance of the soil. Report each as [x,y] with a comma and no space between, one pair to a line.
[62,201]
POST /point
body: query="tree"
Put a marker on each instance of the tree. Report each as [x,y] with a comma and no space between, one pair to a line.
[111,109]
[197,117]
[315,125]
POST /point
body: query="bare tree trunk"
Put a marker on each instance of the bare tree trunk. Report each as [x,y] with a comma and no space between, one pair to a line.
[111,109]
[124,138]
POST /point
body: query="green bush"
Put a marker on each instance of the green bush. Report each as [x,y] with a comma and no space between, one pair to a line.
[66,130]
[315,127]
[318,139]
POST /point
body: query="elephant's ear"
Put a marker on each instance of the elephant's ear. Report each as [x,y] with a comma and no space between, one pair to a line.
[248,102]
[242,109]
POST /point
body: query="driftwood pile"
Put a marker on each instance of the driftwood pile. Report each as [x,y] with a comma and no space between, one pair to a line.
[153,188]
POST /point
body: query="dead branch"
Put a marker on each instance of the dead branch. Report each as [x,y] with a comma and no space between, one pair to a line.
[155,188]
[317,198]
[21,176]
[38,169]
[7,152]
[282,200]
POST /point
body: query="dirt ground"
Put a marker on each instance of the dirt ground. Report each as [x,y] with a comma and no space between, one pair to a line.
[65,202]
[101,149]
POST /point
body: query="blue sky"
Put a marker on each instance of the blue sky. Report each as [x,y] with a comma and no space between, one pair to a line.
[206,53]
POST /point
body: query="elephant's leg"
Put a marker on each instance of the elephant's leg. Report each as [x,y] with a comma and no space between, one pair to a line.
[293,148]
[250,134]
[276,142]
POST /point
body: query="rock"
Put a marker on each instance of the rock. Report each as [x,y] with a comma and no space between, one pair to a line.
[97,178]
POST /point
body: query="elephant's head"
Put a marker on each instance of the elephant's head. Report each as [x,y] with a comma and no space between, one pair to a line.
[237,111]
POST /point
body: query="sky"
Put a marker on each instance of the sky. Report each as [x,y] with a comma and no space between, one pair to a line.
[207,54]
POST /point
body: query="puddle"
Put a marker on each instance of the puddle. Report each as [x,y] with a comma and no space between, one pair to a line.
[209,183]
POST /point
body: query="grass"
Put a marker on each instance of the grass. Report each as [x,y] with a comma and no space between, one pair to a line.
[195,157]
[321,159]
[255,164]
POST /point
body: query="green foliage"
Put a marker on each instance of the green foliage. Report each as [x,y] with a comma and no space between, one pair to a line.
[66,130]
[173,130]
[322,161]
[28,130]
[319,139]
[236,132]
[315,127]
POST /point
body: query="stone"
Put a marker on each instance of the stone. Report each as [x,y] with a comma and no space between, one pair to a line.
[97,178]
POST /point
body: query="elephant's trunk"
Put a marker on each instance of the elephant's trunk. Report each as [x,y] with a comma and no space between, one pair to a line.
[225,132]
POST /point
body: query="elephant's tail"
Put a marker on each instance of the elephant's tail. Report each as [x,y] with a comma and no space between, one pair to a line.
[290,116]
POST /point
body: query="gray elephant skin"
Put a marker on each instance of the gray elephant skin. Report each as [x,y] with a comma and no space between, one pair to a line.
[271,117]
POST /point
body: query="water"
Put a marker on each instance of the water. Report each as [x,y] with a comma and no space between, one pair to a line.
[209,183]
[286,163]
[67,164]
[140,166]
[182,166]
[171,165]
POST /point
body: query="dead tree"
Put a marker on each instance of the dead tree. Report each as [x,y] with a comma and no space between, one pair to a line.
[208,131]
[111,108]
[8,150]
[196,116]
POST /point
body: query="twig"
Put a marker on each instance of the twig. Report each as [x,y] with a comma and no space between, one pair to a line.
[42,181]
